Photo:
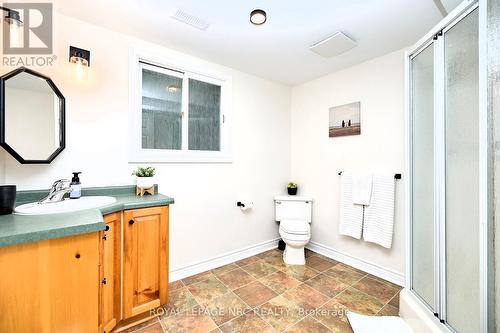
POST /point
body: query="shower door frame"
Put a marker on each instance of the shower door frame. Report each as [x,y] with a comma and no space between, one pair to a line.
[439,242]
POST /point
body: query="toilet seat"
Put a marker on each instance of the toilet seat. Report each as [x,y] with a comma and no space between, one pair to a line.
[295,227]
[294,237]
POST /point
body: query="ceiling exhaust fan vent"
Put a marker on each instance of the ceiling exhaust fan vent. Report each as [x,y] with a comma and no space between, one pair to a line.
[191,20]
[334,45]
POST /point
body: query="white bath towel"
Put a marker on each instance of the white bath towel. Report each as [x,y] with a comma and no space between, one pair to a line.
[361,188]
[379,215]
[351,215]
[377,324]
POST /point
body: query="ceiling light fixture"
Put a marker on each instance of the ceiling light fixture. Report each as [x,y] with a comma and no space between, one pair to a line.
[14,24]
[258,17]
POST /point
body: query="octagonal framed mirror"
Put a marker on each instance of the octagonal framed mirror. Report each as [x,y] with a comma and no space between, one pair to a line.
[32,117]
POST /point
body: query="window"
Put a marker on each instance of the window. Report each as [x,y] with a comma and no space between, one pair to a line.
[204,116]
[161,110]
[178,115]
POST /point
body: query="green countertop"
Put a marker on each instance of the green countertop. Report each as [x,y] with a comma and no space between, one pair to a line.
[17,229]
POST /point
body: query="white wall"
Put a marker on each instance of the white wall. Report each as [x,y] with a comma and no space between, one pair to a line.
[316,159]
[205,221]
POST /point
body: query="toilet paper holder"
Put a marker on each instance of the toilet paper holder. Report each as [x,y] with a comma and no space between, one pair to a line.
[244,206]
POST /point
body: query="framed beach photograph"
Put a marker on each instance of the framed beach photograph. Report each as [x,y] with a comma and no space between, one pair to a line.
[345,120]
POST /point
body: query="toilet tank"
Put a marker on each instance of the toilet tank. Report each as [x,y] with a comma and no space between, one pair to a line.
[293,207]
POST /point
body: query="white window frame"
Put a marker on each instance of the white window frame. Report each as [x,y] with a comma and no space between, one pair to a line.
[137,154]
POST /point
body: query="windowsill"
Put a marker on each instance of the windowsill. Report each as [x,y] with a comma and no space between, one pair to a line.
[172,156]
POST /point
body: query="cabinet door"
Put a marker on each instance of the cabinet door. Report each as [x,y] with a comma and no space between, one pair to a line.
[50,286]
[145,251]
[109,308]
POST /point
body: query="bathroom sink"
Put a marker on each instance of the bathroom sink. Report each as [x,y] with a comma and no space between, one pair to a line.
[65,206]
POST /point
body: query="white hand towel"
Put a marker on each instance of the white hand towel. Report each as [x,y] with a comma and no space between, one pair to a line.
[379,215]
[351,215]
[361,188]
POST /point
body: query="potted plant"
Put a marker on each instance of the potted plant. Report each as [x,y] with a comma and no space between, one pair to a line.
[145,176]
[292,188]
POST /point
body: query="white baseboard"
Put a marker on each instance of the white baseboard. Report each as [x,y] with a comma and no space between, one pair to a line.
[368,267]
[224,259]
[230,257]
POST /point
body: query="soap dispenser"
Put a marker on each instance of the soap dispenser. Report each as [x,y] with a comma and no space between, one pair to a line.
[76,186]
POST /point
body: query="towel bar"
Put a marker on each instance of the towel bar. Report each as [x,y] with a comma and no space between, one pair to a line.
[396,176]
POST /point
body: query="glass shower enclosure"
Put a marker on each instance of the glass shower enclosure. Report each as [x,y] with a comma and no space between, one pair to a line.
[448,166]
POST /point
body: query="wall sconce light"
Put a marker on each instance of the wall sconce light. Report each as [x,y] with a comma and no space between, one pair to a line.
[14,24]
[81,58]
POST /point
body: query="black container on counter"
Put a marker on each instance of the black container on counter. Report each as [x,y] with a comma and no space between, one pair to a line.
[7,199]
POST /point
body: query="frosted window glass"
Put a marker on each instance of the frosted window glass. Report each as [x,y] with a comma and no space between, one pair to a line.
[462,175]
[161,111]
[422,97]
[204,116]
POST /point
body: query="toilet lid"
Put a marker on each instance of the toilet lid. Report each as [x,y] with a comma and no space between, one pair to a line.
[299,227]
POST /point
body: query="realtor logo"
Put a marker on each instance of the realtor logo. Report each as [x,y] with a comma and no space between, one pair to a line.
[34,35]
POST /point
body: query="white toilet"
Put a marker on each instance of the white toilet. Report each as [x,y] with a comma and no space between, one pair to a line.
[294,214]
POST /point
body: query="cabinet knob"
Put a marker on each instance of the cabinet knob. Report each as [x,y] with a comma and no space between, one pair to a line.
[77,256]
[105,237]
[107,228]
[104,281]
[131,222]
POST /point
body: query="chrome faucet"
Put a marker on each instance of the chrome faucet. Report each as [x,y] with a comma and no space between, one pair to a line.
[59,189]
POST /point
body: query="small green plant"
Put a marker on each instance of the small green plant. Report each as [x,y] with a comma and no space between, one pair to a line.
[144,172]
[292,185]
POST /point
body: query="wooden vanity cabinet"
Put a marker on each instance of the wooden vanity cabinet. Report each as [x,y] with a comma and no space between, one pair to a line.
[110,273]
[133,265]
[145,256]
[77,283]
[50,286]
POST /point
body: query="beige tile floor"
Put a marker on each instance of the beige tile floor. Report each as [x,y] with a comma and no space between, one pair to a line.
[262,294]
